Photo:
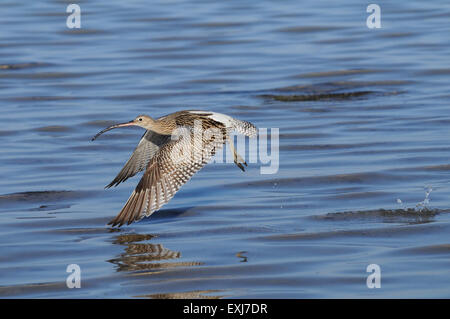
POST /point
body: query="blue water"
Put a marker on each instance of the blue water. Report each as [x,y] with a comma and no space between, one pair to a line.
[363,117]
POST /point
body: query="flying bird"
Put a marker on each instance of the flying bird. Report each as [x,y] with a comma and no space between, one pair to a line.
[173,148]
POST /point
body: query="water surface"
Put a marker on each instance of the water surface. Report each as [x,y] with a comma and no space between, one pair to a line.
[363,117]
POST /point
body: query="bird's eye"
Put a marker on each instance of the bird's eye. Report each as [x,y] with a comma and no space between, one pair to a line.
[140,119]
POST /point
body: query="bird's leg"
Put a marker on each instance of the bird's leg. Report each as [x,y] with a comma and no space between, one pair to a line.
[238,160]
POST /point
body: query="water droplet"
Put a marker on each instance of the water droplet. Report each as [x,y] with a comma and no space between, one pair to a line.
[422,206]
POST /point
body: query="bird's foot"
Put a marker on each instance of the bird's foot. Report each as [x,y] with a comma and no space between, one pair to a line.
[238,160]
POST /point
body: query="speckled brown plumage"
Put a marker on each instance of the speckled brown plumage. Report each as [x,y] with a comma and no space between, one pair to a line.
[171,151]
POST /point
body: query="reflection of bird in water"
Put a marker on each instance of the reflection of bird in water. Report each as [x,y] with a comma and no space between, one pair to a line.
[149,252]
[145,256]
[171,152]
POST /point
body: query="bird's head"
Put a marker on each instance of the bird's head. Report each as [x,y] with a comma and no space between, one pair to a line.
[143,121]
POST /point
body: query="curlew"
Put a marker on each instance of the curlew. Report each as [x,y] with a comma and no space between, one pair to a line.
[173,148]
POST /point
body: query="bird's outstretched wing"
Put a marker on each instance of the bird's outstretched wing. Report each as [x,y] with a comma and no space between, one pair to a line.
[171,167]
[148,146]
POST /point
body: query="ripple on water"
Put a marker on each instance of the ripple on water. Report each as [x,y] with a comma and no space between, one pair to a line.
[42,196]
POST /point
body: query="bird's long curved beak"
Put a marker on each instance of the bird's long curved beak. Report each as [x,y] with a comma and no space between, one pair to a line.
[131,123]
